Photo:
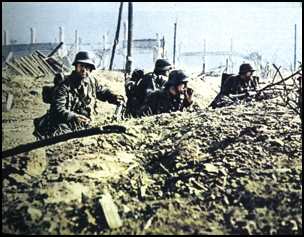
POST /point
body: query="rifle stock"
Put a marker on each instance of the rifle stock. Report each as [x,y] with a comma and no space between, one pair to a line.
[64,137]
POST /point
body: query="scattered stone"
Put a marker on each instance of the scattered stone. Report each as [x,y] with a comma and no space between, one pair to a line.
[110,211]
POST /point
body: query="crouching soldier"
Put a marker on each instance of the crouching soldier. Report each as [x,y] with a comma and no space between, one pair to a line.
[175,96]
[236,87]
[140,85]
[74,101]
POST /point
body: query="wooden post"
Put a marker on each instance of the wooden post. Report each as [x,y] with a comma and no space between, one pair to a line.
[295,49]
[116,36]
[163,48]
[156,49]
[33,35]
[130,38]
[174,43]
[5,38]
[125,34]
[230,56]
[226,68]
[179,51]
[55,50]
[61,34]
[9,57]
[76,41]
[204,57]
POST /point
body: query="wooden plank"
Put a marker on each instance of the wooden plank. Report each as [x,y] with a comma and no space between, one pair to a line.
[40,62]
[7,105]
[27,66]
[9,56]
[36,64]
[32,67]
[15,68]
[55,50]
[46,64]
[40,54]
[18,64]
[110,211]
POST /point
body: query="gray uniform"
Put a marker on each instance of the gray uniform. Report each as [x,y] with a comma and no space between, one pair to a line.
[72,97]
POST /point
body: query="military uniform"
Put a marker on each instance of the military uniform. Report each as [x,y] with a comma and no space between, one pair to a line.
[145,85]
[161,101]
[72,97]
[236,85]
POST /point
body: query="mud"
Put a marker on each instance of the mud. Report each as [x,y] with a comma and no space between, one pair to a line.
[234,170]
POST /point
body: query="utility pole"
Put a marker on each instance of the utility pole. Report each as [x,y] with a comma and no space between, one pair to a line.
[163,48]
[204,57]
[295,49]
[116,36]
[130,38]
[174,43]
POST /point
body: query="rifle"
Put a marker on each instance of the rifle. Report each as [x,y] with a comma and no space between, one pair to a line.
[118,112]
[64,137]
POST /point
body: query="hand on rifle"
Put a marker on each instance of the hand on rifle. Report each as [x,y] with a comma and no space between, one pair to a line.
[251,93]
[82,119]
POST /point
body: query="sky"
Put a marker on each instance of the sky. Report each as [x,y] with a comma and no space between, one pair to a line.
[266,27]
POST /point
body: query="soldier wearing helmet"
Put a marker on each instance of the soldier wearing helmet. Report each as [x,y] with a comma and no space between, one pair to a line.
[146,84]
[74,100]
[174,96]
[241,83]
[156,79]
[237,87]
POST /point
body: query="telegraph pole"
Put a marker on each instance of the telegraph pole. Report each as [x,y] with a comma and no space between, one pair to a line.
[174,43]
[130,38]
[116,36]
[295,49]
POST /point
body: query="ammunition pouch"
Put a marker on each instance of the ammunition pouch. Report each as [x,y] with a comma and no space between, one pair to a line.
[47,94]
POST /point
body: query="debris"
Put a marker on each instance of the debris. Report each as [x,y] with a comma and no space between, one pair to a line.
[110,211]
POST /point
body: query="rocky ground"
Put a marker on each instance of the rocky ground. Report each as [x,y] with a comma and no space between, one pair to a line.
[234,170]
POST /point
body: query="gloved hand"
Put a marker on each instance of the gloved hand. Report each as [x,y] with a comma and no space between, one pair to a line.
[251,93]
[81,119]
[188,95]
[119,99]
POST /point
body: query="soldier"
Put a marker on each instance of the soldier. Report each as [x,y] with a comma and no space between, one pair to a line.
[74,100]
[174,96]
[236,87]
[143,85]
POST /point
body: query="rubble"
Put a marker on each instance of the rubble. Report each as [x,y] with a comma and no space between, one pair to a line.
[233,170]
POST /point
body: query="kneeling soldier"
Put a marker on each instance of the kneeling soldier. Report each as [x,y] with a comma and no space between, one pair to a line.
[74,100]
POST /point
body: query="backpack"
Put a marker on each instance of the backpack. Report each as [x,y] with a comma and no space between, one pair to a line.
[225,76]
[133,86]
[48,91]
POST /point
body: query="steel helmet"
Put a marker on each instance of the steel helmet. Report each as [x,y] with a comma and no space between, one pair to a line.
[177,77]
[84,58]
[162,65]
[246,67]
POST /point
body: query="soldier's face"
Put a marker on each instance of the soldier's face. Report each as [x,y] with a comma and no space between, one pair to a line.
[180,89]
[83,70]
[249,74]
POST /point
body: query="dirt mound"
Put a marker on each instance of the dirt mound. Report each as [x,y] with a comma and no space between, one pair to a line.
[235,170]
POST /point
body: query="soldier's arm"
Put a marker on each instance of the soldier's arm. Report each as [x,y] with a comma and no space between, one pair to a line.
[60,100]
[105,94]
[149,106]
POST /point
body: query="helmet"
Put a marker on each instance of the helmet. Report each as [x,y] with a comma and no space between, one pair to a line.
[245,67]
[162,65]
[177,77]
[84,58]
